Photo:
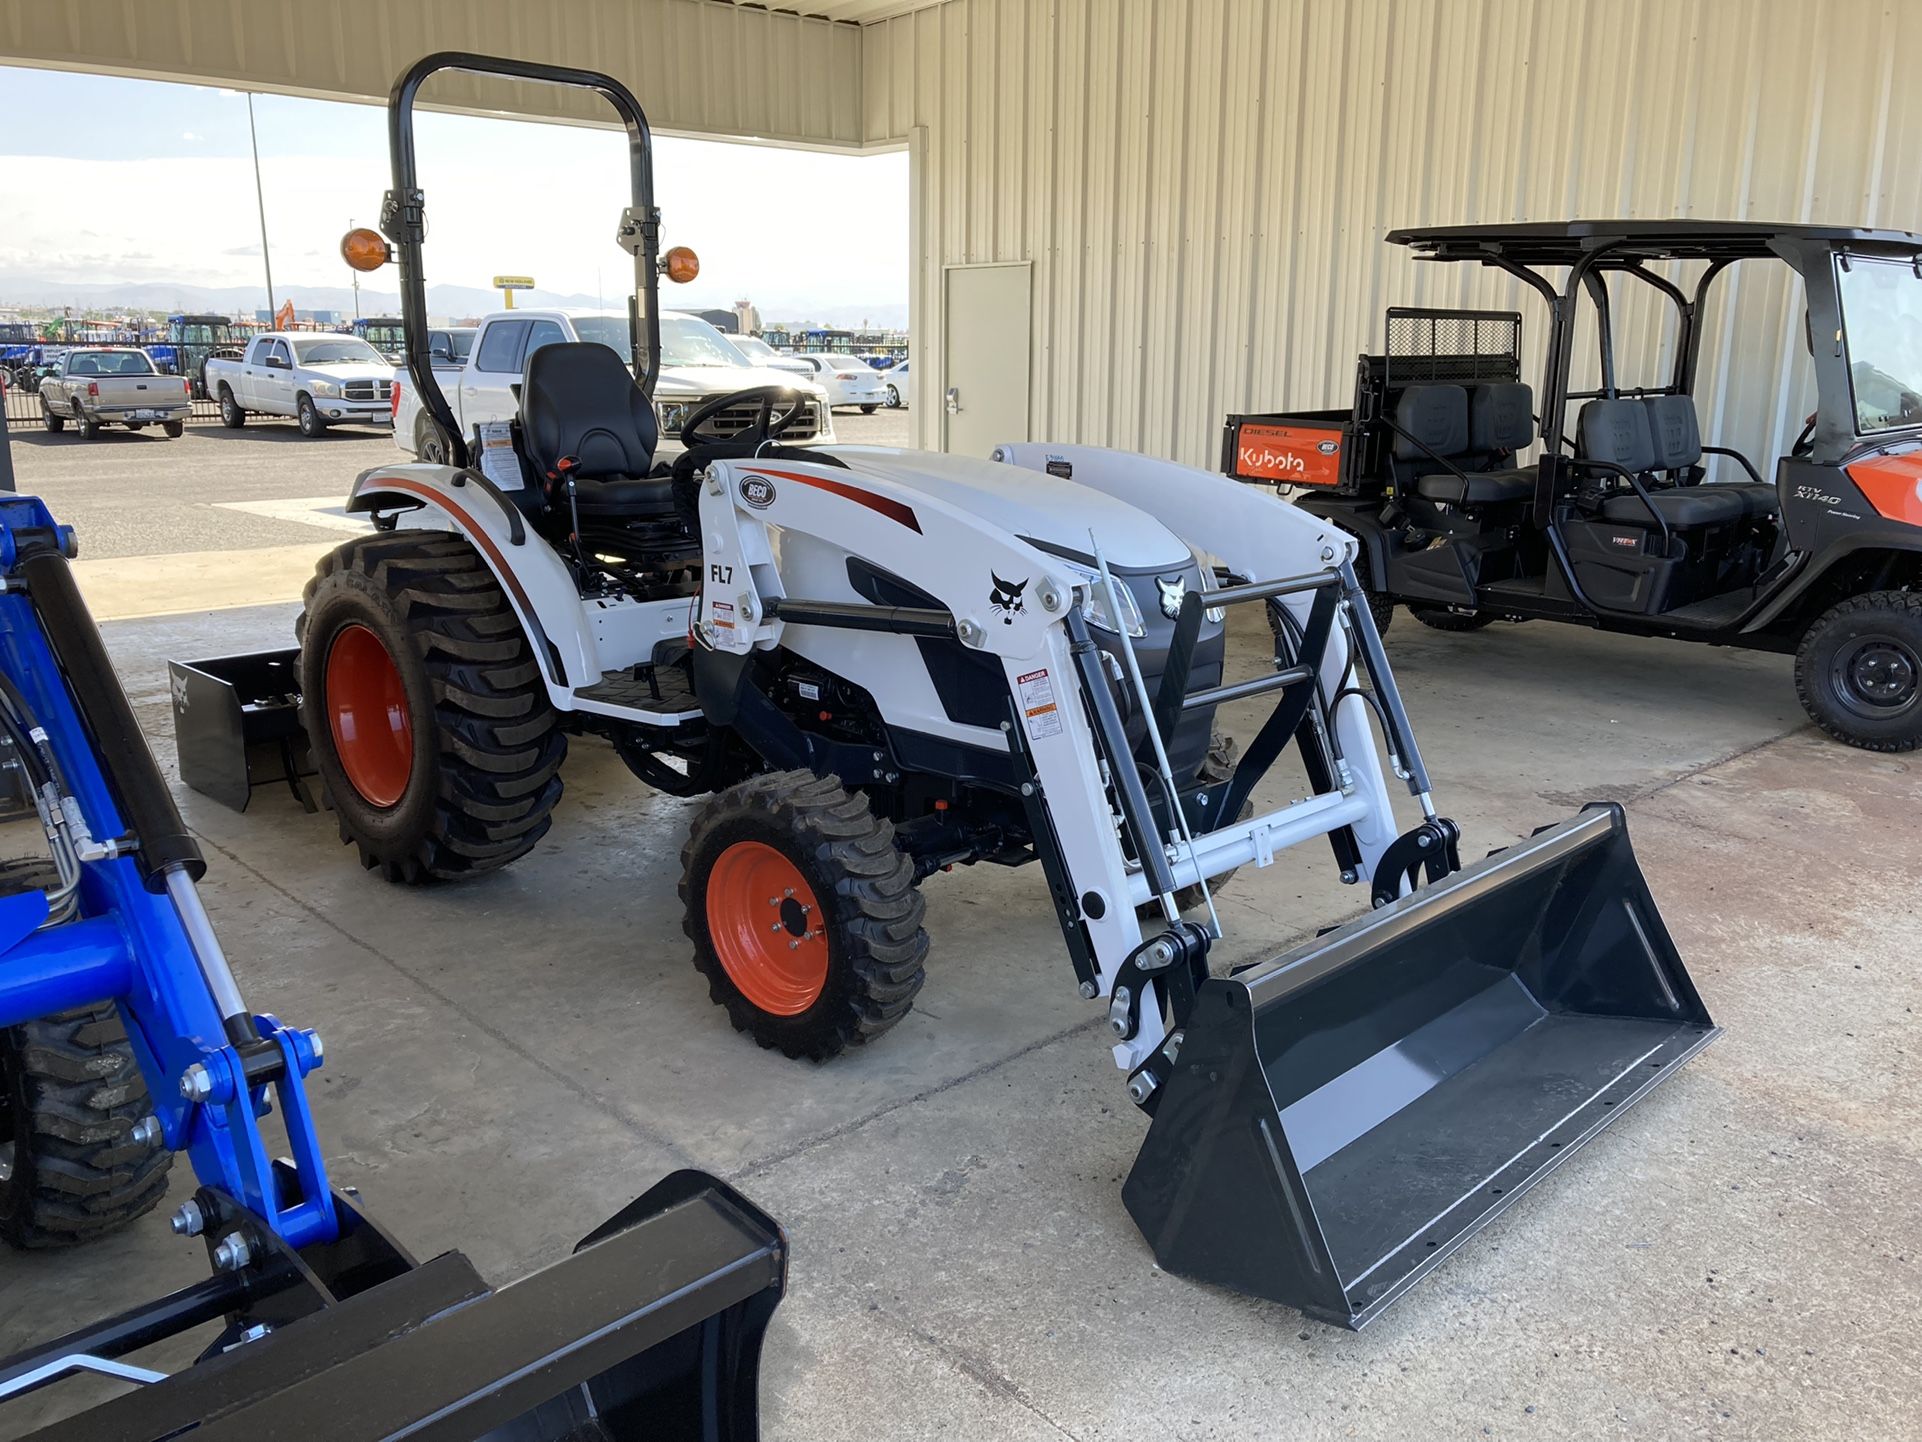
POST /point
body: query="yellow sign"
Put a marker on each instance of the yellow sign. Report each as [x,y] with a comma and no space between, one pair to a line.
[513,282]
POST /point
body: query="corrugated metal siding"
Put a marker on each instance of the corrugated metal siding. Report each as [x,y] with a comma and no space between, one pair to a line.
[698,66]
[1202,185]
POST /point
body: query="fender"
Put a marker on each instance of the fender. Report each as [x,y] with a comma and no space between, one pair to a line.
[1891,542]
[537,585]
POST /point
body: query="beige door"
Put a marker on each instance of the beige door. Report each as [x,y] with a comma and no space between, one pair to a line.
[984,378]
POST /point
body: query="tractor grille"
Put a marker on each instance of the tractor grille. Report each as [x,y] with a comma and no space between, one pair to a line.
[364,390]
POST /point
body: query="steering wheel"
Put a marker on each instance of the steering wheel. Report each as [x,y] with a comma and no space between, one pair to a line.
[1805,442]
[776,408]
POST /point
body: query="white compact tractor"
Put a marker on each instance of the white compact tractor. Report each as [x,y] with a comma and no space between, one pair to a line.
[880,664]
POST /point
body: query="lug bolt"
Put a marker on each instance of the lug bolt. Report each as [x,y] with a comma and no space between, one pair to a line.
[232,1253]
[196,1083]
[146,1132]
[188,1221]
[794,946]
[777,927]
[1089,991]
[788,892]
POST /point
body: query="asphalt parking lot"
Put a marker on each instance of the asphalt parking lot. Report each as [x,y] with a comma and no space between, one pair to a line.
[511,1060]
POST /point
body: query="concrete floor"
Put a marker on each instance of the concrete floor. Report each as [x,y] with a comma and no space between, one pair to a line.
[511,1060]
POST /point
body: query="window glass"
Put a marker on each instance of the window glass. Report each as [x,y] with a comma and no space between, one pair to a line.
[1882,320]
[542,332]
[500,347]
[333,350]
[279,352]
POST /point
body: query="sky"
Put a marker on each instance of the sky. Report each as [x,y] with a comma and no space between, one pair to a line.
[104,179]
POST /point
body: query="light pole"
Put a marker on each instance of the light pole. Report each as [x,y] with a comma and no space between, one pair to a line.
[260,199]
[356,276]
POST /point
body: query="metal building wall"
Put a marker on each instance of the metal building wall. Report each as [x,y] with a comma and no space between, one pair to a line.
[698,66]
[1202,185]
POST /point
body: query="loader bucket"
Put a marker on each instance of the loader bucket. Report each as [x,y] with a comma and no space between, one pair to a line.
[650,1332]
[1341,1118]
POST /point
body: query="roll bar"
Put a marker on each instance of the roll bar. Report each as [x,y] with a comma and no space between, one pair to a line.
[403,219]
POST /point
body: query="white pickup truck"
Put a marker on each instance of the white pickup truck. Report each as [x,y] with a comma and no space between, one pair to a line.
[95,387]
[697,364]
[316,378]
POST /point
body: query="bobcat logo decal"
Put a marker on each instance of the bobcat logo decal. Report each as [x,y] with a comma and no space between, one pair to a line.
[1173,589]
[1004,598]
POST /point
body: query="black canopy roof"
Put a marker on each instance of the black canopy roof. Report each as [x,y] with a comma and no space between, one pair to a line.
[1563,242]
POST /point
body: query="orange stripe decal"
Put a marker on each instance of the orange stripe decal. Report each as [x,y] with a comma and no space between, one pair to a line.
[893,510]
[1892,484]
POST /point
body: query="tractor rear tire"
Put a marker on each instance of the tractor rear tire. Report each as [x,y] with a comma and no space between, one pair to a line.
[1441,618]
[425,708]
[804,913]
[71,1094]
[1858,671]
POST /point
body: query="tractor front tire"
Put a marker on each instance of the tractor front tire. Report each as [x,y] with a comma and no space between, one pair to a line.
[1440,618]
[804,914]
[1858,671]
[70,1096]
[425,708]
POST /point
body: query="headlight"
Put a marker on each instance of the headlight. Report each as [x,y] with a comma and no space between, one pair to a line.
[1095,608]
[325,388]
[671,414]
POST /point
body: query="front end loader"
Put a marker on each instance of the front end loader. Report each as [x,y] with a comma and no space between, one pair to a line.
[878,665]
[124,1040]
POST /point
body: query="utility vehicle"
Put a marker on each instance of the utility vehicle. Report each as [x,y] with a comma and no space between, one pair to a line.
[1626,520]
[877,665]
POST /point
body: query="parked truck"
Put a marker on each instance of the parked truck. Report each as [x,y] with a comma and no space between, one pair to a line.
[317,379]
[101,386]
[698,364]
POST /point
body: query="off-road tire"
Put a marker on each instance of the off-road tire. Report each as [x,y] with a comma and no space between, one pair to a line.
[307,416]
[1441,618]
[232,416]
[54,423]
[70,1095]
[485,775]
[877,945]
[174,429]
[1894,617]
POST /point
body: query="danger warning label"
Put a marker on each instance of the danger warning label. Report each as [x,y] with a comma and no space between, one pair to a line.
[1038,704]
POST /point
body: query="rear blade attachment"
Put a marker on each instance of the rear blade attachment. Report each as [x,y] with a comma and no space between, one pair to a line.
[651,1330]
[1343,1117]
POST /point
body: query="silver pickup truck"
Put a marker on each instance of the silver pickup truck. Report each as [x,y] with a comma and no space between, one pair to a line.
[101,386]
[317,377]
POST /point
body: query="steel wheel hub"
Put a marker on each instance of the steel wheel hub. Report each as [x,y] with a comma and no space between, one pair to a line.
[1878,675]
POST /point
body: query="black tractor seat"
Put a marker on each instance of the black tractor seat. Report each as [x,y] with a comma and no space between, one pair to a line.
[1622,432]
[583,419]
[1455,441]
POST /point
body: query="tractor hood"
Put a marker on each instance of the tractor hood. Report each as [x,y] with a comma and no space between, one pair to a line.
[1054,513]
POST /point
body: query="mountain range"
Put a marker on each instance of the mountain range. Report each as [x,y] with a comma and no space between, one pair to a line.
[442,300]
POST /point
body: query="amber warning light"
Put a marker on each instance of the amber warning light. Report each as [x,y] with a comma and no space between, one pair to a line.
[364,249]
[681,265]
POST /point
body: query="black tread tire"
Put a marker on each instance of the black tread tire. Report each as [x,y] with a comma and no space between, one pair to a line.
[428,437]
[894,399]
[232,416]
[70,1095]
[869,410]
[88,427]
[1899,612]
[55,424]
[877,945]
[484,794]
[1440,618]
[174,429]
[307,416]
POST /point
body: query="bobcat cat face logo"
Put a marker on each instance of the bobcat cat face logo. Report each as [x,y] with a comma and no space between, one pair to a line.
[1172,589]
[1004,598]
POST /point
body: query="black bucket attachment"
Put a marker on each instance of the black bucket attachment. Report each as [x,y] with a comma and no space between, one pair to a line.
[651,1330]
[1343,1117]
[237,725]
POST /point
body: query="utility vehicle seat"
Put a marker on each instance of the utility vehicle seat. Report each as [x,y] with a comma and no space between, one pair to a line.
[1478,426]
[1618,431]
[579,404]
[1678,447]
